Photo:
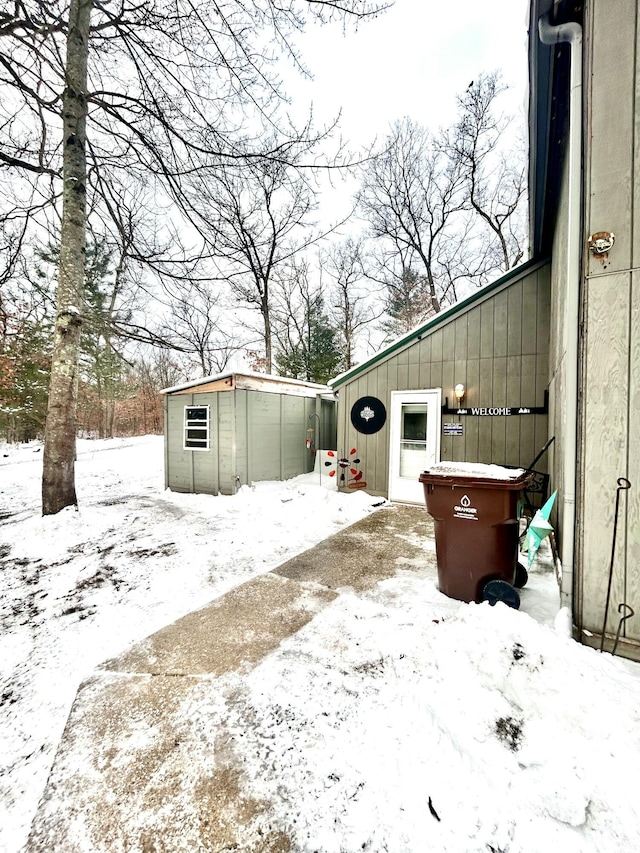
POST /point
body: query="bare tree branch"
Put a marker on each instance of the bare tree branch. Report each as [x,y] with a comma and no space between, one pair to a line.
[99,96]
[495,183]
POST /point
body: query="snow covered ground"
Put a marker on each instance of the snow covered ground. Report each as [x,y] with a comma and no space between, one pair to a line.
[397,720]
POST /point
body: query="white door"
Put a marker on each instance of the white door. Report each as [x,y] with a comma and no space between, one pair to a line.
[415,441]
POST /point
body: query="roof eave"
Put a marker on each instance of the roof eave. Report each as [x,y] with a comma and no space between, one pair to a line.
[541,59]
[441,318]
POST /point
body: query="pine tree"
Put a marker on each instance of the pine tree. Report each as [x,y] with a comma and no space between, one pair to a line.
[408,304]
[315,355]
[100,378]
[25,357]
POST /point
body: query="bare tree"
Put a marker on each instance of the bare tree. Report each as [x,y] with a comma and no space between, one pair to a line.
[410,195]
[168,91]
[495,180]
[196,326]
[151,372]
[12,238]
[352,307]
[155,370]
[258,219]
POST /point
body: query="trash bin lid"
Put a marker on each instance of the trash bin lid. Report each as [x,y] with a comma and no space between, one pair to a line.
[476,474]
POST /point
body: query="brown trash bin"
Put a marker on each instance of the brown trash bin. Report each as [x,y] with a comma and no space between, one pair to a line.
[476,526]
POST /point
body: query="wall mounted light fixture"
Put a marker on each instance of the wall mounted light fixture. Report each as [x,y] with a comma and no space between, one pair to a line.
[459,392]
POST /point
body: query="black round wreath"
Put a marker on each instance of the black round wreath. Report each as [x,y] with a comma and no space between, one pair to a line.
[368,415]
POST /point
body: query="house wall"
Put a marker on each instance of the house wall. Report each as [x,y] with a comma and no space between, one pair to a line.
[558,356]
[254,436]
[498,348]
[610,406]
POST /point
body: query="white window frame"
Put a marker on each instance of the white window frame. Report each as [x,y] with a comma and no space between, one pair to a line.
[199,424]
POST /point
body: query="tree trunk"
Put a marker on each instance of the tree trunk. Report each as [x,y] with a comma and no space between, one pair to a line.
[433,295]
[110,416]
[58,477]
[268,345]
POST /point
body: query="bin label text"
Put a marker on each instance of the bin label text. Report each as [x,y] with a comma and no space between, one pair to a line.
[465,510]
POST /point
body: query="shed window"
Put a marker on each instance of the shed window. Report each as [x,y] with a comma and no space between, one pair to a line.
[196,427]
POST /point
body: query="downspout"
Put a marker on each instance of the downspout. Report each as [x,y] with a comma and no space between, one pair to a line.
[570,33]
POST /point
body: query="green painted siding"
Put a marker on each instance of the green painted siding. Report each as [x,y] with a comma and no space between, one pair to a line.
[263,430]
[232,441]
[205,463]
[497,347]
[293,426]
[254,436]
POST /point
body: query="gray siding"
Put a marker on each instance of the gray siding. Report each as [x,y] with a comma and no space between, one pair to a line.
[498,348]
[205,462]
[263,435]
[183,470]
[609,427]
[237,471]
[557,383]
[294,419]
[254,436]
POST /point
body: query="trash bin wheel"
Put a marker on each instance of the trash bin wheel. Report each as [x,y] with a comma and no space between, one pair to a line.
[522,576]
[497,590]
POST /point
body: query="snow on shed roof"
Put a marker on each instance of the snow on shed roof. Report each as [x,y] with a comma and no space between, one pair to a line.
[251,381]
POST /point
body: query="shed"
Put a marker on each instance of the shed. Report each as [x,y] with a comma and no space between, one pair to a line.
[398,412]
[224,431]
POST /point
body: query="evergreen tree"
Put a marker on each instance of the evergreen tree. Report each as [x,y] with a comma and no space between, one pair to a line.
[100,362]
[407,303]
[314,355]
[25,357]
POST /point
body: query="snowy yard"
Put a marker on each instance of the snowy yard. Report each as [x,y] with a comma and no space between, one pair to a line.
[396,720]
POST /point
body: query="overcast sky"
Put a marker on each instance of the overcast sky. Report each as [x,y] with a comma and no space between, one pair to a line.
[411,61]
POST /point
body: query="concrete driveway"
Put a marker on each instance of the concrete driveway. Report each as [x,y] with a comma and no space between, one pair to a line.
[125,736]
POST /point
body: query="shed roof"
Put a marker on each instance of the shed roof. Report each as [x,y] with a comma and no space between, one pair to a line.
[249,381]
[440,319]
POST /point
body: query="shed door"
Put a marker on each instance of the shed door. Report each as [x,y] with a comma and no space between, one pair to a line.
[415,441]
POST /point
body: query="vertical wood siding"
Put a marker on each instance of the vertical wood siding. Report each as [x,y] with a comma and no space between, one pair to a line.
[294,423]
[230,451]
[179,474]
[205,463]
[254,436]
[610,405]
[263,431]
[498,348]
[187,470]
